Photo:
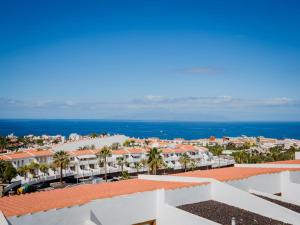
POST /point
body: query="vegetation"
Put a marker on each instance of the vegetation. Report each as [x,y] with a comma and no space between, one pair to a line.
[144,163]
[216,150]
[185,160]
[147,142]
[155,160]
[33,167]
[94,135]
[121,162]
[23,171]
[103,154]
[61,160]
[125,175]
[115,146]
[3,143]
[138,166]
[44,168]
[274,154]
[7,171]
[128,143]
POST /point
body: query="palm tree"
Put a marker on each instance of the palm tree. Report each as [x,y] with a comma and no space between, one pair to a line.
[103,154]
[33,167]
[61,159]
[22,171]
[138,166]
[3,143]
[53,167]
[144,163]
[44,168]
[155,160]
[121,162]
[184,160]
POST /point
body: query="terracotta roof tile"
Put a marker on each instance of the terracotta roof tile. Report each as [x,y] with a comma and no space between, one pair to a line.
[120,152]
[232,173]
[137,150]
[296,161]
[19,155]
[46,200]
[82,152]
[36,152]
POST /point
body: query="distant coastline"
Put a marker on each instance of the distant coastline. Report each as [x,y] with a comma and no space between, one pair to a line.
[144,129]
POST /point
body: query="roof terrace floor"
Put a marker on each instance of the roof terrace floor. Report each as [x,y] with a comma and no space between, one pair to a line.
[223,213]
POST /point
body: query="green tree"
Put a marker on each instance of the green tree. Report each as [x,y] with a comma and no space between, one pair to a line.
[144,163]
[44,168]
[138,166]
[115,146]
[121,162]
[53,167]
[125,175]
[3,143]
[155,160]
[103,154]
[33,167]
[93,135]
[23,171]
[61,159]
[184,160]
[128,143]
[7,171]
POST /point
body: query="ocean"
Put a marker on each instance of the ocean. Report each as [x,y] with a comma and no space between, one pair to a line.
[163,130]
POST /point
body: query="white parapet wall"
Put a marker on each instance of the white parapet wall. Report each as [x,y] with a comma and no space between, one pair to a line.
[297,155]
[121,210]
[290,190]
[225,193]
[235,197]
[269,183]
[169,215]
[267,165]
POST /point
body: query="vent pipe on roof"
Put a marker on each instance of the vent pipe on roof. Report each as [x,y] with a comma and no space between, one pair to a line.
[233,221]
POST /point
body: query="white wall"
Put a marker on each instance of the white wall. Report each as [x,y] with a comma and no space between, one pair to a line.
[290,190]
[269,183]
[241,199]
[189,195]
[169,215]
[295,176]
[125,210]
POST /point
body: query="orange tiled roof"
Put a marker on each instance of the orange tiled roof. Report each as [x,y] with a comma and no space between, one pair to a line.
[136,150]
[120,152]
[232,173]
[82,152]
[296,161]
[36,152]
[3,157]
[60,198]
[168,150]
[19,155]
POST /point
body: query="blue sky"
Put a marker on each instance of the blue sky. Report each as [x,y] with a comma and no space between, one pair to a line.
[150,60]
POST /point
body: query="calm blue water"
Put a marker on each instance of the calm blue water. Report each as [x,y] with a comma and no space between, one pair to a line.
[164,130]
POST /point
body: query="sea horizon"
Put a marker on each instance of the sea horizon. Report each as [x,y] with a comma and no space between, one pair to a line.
[152,128]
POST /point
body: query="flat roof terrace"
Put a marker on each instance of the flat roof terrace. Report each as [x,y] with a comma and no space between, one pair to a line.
[223,213]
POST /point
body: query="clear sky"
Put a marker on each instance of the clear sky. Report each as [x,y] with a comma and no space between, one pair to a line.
[150,60]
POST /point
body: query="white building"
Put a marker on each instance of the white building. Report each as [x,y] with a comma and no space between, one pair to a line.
[155,199]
